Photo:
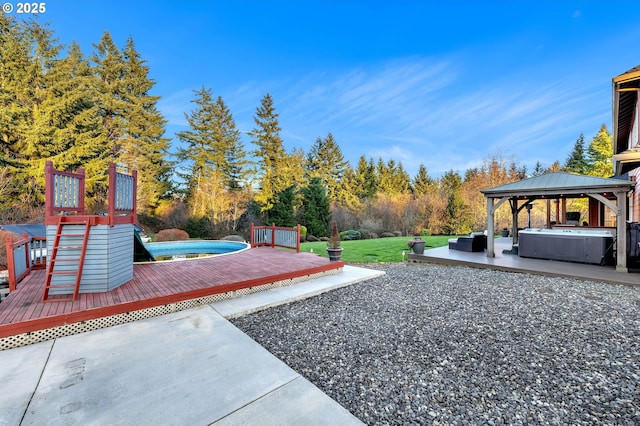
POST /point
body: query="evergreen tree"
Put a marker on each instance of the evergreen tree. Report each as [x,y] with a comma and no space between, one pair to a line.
[315,211]
[600,154]
[456,215]
[143,145]
[325,161]
[423,184]
[348,191]
[14,109]
[216,158]
[230,149]
[576,162]
[366,179]
[538,170]
[109,68]
[393,178]
[271,154]
[199,154]
[282,213]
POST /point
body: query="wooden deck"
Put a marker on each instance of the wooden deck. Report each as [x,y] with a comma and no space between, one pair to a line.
[156,284]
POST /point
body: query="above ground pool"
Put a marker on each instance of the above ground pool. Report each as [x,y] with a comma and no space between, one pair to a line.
[168,250]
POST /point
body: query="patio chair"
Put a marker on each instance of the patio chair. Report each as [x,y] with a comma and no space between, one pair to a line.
[475,242]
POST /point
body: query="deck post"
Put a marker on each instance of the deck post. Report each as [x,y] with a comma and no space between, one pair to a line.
[48,189]
[134,213]
[80,193]
[27,251]
[11,265]
[111,197]
[273,235]
[251,239]
[298,240]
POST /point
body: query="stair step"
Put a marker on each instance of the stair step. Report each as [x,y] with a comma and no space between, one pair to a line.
[61,286]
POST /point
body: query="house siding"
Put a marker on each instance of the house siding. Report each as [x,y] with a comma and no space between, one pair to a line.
[108,261]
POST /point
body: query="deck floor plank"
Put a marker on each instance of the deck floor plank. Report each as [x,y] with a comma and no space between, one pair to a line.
[159,283]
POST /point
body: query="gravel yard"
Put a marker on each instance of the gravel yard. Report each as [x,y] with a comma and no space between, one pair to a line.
[431,344]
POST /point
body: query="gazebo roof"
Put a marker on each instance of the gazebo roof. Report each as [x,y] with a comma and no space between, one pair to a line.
[569,185]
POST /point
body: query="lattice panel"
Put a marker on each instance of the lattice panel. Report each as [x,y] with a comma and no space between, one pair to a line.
[109,321]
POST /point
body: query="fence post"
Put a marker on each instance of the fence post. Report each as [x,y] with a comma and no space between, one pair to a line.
[251,236]
[298,240]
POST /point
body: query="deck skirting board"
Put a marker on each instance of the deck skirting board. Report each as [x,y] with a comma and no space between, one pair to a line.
[42,335]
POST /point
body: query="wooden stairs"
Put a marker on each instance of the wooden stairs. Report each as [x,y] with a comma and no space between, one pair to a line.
[67,259]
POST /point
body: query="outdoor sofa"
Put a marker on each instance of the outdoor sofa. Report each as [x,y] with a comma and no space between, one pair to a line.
[476,241]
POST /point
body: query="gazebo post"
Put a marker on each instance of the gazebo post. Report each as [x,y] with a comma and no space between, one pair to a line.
[621,231]
[490,228]
[514,220]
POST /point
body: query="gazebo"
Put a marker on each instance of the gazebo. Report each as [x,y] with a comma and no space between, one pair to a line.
[603,193]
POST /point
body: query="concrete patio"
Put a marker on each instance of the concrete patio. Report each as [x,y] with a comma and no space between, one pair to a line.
[515,263]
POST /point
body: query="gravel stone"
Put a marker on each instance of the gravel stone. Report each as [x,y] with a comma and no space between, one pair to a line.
[433,344]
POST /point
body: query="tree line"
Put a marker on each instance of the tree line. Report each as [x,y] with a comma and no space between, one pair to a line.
[87,111]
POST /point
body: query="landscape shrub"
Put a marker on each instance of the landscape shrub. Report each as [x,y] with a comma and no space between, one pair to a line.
[350,235]
[199,228]
[364,234]
[425,232]
[171,235]
[397,233]
[312,239]
[303,233]
[387,235]
[151,223]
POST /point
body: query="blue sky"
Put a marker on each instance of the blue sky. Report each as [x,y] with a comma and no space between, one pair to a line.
[442,83]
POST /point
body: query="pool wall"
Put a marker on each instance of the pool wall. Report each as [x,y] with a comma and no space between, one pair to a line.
[195,247]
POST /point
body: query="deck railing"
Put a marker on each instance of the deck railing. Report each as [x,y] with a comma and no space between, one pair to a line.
[64,191]
[122,196]
[275,236]
[65,195]
[23,256]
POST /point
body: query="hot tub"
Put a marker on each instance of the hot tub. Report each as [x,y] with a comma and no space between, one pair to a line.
[571,245]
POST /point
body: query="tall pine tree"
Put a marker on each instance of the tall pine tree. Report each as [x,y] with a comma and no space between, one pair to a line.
[325,161]
[143,146]
[576,162]
[315,211]
[274,165]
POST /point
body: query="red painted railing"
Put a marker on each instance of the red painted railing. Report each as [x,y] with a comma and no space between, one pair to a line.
[122,196]
[275,236]
[23,256]
[64,194]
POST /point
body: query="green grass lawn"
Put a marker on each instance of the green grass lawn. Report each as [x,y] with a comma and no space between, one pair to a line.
[378,250]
